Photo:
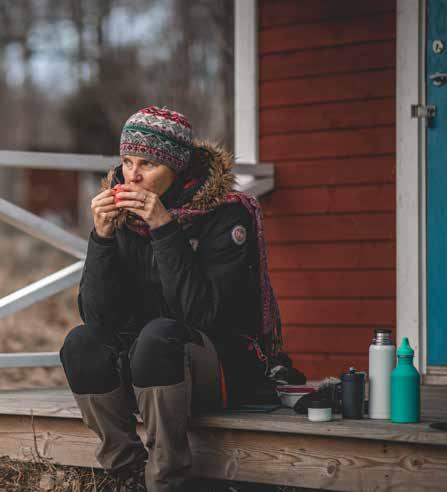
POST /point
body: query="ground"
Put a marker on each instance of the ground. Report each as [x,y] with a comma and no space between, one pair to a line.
[42,476]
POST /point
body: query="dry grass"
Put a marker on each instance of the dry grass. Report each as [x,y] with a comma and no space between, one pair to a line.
[42,475]
[43,326]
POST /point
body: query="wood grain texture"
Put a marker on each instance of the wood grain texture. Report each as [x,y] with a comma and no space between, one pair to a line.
[321,34]
[282,457]
[278,12]
[350,58]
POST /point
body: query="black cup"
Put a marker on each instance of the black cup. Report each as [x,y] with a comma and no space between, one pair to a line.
[353,394]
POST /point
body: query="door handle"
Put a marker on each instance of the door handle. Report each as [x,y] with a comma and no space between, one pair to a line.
[438,78]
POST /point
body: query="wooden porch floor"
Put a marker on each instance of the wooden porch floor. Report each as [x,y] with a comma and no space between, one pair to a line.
[278,448]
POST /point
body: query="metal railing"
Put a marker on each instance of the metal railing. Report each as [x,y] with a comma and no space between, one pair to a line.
[262,182]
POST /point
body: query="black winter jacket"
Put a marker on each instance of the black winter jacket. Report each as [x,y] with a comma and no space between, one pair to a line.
[196,273]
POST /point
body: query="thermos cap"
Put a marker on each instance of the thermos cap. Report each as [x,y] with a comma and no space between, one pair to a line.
[353,375]
[382,336]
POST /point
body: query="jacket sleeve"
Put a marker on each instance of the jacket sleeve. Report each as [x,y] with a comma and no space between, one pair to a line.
[206,285]
[101,291]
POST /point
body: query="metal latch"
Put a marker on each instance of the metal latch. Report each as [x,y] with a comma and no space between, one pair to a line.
[420,111]
[438,78]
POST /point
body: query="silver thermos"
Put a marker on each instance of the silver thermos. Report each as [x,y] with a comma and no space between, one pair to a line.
[382,360]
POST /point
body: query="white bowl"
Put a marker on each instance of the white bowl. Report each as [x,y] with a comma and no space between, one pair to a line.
[289,399]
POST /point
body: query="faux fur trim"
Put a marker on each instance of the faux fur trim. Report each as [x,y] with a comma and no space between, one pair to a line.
[207,159]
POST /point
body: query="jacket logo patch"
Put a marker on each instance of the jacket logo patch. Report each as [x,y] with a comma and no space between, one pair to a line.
[194,244]
[239,234]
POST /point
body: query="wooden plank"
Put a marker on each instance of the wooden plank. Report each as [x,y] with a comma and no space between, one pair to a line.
[336,143]
[348,170]
[330,200]
[279,458]
[346,227]
[57,402]
[327,339]
[374,255]
[379,27]
[333,283]
[350,58]
[288,422]
[275,13]
[327,88]
[331,116]
[376,312]
[318,462]
[282,420]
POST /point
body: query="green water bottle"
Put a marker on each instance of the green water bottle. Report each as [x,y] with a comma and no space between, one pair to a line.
[405,387]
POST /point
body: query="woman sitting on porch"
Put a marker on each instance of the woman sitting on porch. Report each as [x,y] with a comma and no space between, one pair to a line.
[176,279]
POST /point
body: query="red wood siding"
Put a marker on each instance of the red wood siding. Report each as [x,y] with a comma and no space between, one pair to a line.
[327,122]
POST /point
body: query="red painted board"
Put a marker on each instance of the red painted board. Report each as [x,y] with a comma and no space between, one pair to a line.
[315,284]
[330,116]
[322,34]
[333,171]
[374,312]
[328,88]
[278,12]
[350,58]
[353,256]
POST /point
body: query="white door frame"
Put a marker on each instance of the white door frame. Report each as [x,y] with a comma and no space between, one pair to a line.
[410,179]
[246,135]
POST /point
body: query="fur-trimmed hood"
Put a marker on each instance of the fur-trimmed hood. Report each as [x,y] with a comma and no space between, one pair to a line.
[211,166]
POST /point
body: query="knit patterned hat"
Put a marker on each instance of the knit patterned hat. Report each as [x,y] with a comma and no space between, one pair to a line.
[158,134]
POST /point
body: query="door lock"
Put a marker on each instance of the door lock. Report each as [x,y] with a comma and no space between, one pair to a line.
[428,113]
[420,111]
[438,78]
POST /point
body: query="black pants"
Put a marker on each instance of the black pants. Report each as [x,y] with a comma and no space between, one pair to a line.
[95,362]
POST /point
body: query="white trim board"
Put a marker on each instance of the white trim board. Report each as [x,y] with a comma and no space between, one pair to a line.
[246,133]
[410,179]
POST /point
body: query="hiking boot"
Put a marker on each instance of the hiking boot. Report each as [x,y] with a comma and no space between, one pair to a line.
[129,479]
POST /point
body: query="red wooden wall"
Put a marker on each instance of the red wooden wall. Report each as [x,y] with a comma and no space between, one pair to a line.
[327,122]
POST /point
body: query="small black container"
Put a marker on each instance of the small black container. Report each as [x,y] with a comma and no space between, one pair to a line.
[353,394]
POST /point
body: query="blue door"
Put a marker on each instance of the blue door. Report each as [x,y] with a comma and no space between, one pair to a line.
[436,85]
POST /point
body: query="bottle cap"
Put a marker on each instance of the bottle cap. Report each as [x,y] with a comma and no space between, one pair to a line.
[352,375]
[382,330]
[405,349]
